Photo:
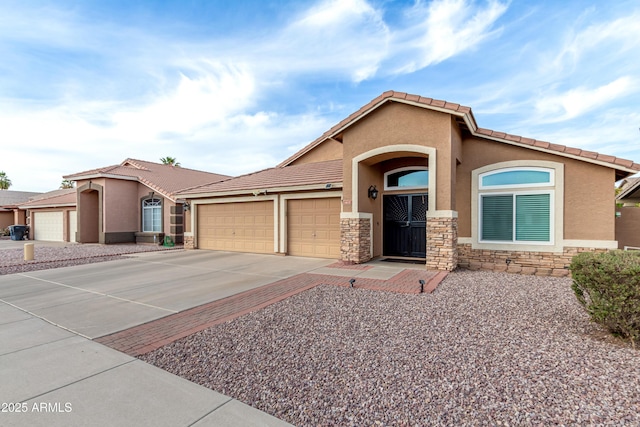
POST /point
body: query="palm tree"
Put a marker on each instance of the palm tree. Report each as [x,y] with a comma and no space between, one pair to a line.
[5,182]
[169,161]
[66,184]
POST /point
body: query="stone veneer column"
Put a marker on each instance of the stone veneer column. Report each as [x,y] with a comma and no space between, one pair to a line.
[188,241]
[355,240]
[442,240]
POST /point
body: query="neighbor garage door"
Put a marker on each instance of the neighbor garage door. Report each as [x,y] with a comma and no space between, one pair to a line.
[48,226]
[241,227]
[73,225]
[313,227]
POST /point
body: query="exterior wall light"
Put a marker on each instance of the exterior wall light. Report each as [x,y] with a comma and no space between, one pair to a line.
[373,192]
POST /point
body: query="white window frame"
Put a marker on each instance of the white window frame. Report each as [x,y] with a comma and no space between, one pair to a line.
[152,208]
[513,240]
[551,182]
[407,168]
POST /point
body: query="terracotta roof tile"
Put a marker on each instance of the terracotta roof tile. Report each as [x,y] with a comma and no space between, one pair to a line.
[278,177]
[514,138]
[574,151]
[413,98]
[165,179]
[623,162]
[557,147]
[438,103]
[65,196]
[606,158]
[451,106]
[589,154]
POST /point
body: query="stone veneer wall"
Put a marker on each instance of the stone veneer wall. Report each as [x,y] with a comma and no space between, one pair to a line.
[538,263]
[442,239]
[189,242]
[355,240]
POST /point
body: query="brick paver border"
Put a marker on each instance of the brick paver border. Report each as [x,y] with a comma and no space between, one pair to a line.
[150,336]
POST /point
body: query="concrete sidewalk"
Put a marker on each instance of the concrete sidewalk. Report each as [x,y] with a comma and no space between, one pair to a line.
[54,377]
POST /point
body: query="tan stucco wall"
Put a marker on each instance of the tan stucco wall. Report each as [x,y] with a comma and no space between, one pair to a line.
[588,191]
[329,149]
[398,124]
[121,211]
[6,219]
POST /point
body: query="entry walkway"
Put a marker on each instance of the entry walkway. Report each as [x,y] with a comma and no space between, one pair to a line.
[153,335]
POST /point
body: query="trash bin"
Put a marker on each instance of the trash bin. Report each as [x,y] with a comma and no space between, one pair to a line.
[18,232]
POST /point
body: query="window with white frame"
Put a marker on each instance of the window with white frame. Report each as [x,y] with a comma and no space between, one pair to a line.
[415,177]
[516,205]
[152,215]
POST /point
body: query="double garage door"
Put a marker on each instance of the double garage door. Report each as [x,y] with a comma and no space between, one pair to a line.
[313,227]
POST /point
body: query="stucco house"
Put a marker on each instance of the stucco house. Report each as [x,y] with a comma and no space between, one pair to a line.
[134,201]
[416,178]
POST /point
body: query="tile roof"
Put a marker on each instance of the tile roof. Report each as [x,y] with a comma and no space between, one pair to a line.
[63,197]
[14,198]
[465,113]
[165,179]
[320,173]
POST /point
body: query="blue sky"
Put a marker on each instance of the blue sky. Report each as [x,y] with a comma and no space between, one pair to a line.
[237,86]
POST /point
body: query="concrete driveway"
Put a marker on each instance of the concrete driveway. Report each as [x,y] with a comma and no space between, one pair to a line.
[98,299]
[53,375]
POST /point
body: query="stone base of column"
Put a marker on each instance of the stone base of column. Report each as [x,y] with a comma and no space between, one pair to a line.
[442,241]
[355,240]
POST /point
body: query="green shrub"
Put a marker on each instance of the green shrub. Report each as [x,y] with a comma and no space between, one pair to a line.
[608,286]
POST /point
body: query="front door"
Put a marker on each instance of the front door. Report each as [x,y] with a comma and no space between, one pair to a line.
[405,225]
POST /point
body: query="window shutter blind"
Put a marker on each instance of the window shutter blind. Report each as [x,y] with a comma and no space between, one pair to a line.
[497,217]
[532,217]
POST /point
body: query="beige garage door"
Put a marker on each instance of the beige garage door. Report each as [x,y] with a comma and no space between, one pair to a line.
[241,227]
[313,227]
[48,226]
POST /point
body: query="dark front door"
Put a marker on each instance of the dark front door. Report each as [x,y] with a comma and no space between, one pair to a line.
[405,225]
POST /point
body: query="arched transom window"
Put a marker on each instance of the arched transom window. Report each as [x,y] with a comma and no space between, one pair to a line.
[407,178]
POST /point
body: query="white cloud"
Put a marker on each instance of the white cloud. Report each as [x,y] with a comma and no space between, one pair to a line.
[578,101]
[443,29]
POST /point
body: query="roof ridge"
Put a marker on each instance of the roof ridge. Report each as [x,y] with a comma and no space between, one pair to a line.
[614,162]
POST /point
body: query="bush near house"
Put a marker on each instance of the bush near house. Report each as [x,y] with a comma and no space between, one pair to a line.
[608,286]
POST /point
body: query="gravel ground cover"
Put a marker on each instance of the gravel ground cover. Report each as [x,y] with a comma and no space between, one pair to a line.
[483,349]
[46,257]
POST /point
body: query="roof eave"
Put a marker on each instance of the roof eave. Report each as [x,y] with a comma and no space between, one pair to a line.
[268,190]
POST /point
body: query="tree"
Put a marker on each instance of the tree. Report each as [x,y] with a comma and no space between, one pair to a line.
[5,182]
[169,161]
[66,184]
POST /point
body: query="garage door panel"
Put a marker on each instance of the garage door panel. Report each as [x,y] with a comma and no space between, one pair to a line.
[240,227]
[313,227]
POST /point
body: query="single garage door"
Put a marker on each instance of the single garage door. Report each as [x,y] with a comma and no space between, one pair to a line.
[73,225]
[48,226]
[313,227]
[240,227]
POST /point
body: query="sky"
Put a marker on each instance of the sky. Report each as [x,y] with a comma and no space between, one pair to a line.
[233,87]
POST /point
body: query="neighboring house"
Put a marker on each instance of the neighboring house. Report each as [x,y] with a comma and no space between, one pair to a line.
[131,202]
[52,216]
[10,213]
[415,178]
[628,214]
